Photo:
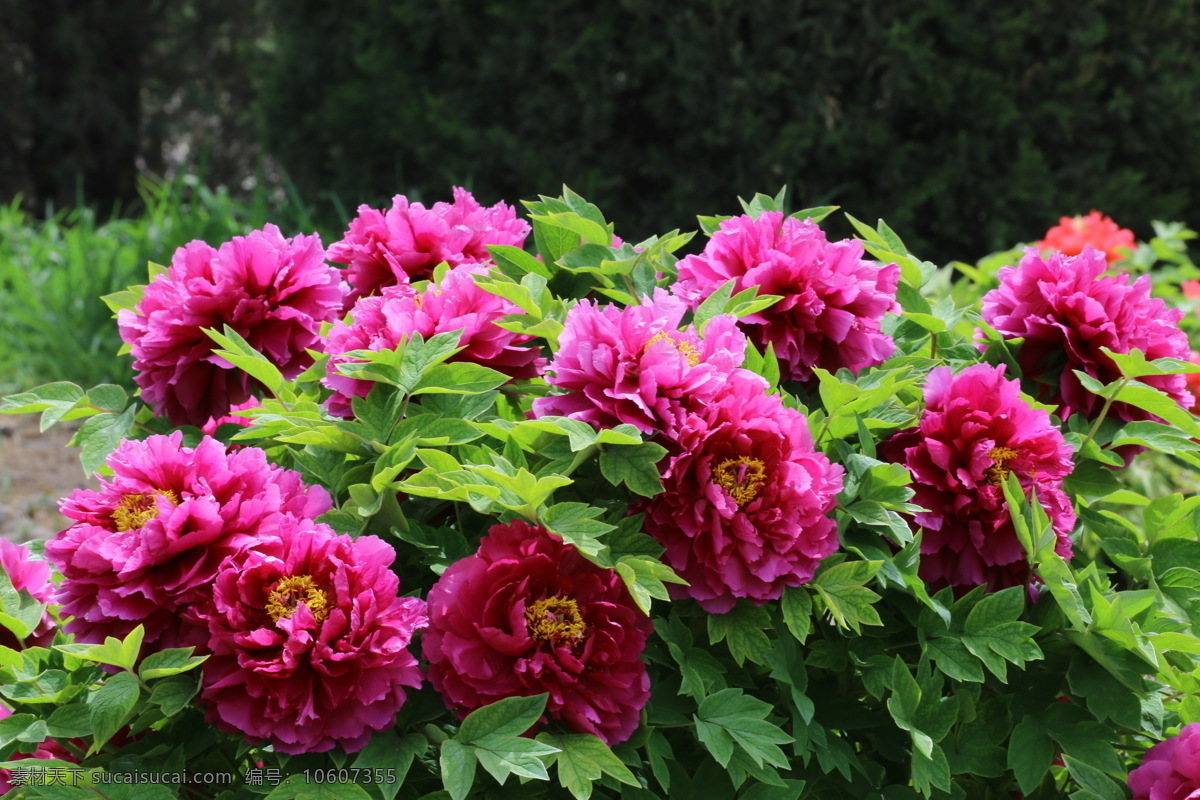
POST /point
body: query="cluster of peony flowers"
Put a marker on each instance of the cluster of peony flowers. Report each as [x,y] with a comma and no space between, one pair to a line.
[832,299]
[745,509]
[1170,770]
[274,292]
[305,630]
[975,432]
[1065,309]
[528,614]
[454,303]
[406,242]
[1072,234]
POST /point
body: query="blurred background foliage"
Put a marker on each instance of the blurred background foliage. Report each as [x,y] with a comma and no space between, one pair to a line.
[968,125]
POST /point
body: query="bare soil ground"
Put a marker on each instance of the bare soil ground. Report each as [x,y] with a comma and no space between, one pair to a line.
[36,470]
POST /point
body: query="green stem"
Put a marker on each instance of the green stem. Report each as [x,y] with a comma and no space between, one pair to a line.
[1108,401]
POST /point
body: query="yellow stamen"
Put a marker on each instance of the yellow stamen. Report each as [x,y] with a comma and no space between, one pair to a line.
[556,620]
[686,348]
[293,590]
[135,510]
[997,474]
[740,478]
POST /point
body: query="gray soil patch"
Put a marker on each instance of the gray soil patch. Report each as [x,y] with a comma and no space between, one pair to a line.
[36,471]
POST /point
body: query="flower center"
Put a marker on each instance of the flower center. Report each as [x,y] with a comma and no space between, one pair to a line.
[555,620]
[997,474]
[293,590]
[740,478]
[685,348]
[135,510]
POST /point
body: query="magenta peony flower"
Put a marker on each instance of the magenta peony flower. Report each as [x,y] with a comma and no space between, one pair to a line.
[309,639]
[145,547]
[1066,310]
[455,303]
[743,511]
[528,614]
[33,577]
[633,365]
[833,299]
[1170,770]
[274,292]
[976,431]
[405,243]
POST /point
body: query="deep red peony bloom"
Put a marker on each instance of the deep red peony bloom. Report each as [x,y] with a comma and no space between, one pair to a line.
[274,292]
[309,639]
[976,431]
[833,299]
[406,242]
[1065,309]
[454,303]
[1072,234]
[745,502]
[633,365]
[145,547]
[33,577]
[528,614]
[1170,770]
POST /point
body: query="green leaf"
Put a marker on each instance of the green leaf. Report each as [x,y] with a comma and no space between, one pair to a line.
[582,759]
[459,378]
[645,577]
[508,717]
[515,262]
[388,750]
[1134,364]
[731,717]
[796,606]
[741,628]
[1030,752]
[298,787]
[846,599]
[172,694]
[502,756]
[111,707]
[953,658]
[633,465]
[238,352]
[169,662]
[99,436]
[576,524]
[70,722]
[458,768]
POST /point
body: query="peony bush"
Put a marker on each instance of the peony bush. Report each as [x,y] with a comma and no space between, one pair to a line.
[470,505]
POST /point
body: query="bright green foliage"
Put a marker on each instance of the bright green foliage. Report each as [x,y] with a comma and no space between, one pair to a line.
[864,682]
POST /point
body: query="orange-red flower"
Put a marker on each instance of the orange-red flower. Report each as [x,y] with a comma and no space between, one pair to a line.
[1072,234]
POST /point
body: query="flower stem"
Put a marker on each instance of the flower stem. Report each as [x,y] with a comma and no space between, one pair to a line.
[1108,401]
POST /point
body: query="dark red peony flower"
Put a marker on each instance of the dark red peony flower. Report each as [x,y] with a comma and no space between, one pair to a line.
[976,431]
[528,614]
[744,511]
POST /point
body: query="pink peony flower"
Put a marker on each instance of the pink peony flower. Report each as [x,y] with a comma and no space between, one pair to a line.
[1072,234]
[274,292]
[745,502]
[145,547]
[1066,310]
[33,577]
[1170,770]
[408,241]
[455,303]
[633,365]
[976,431]
[309,639]
[833,299]
[528,614]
